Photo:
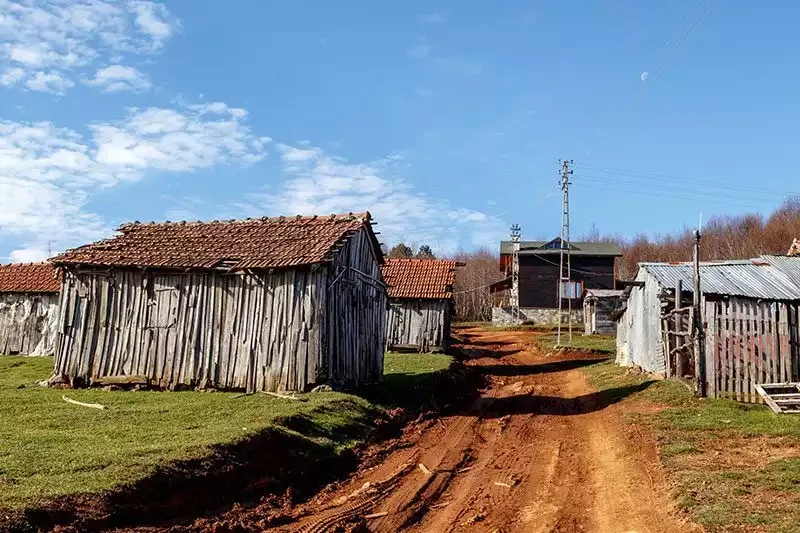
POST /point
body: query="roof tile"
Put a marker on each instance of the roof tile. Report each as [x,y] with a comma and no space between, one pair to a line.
[259,243]
[419,278]
[29,277]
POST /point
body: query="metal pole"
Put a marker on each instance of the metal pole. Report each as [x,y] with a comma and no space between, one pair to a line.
[697,326]
[564,271]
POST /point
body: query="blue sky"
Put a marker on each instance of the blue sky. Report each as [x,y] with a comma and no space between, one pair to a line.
[445,119]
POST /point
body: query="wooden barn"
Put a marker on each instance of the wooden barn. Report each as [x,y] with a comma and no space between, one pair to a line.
[593,267]
[421,303]
[270,304]
[28,309]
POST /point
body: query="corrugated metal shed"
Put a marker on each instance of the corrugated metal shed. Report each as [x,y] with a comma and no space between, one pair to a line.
[753,278]
[789,265]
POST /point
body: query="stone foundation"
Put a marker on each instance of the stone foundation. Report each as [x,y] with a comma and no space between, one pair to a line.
[502,316]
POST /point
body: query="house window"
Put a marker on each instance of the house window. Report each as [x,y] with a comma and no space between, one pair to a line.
[572,289]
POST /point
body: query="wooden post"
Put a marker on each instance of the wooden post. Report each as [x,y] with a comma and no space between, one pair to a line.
[680,365]
[699,345]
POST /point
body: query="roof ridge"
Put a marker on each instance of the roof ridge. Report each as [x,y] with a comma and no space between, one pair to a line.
[345,217]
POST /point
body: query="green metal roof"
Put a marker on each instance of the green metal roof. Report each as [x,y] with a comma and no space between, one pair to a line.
[576,248]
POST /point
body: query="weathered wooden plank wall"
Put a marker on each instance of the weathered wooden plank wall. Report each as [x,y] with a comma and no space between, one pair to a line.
[749,342]
[240,331]
[28,323]
[424,324]
[356,314]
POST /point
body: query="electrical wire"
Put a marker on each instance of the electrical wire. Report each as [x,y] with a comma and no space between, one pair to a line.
[670,50]
[685,179]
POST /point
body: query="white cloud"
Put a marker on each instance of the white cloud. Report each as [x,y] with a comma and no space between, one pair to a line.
[320,183]
[48,82]
[38,35]
[419,49]
[462,67]
[11,76]
[47,174]
[116,78]
[28,255]
[152,19]
[433,18]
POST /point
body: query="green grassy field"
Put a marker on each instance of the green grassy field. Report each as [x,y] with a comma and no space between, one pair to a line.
[52,448]
[732,466]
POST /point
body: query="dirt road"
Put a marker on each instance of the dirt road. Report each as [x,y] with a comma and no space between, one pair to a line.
[539,451]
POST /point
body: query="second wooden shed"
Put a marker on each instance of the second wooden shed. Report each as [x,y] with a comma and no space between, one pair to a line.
[420,303]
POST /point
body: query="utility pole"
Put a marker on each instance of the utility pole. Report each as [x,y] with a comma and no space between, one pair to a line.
[564,270]
[697,326]
[515,236]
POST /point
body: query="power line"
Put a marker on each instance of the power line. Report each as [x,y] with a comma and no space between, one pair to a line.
[691,180]
[672,197]
[669,51]
[763,198]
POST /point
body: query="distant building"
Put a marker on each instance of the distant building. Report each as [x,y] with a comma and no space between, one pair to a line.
[28,309]
[599,306]
[263,304]
[593,267]
[420,303]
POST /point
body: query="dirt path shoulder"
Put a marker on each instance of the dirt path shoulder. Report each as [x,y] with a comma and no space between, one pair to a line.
[538,451]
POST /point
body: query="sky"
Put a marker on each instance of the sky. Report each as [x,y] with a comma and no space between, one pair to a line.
[445,120]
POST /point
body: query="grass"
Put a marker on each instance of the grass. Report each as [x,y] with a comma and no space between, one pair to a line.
[51,448]
[732,466]
[600,344]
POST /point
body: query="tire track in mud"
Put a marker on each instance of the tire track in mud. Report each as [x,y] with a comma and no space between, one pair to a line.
[539,451]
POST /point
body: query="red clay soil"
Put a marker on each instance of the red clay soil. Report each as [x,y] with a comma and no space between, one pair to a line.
[539,451]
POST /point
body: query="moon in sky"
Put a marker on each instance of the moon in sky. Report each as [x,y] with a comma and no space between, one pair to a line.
[644,76]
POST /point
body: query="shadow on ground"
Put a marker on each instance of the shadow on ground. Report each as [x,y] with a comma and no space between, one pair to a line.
[541,368]
[553,405]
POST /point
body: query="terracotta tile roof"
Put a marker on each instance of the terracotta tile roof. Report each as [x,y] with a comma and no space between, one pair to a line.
[29,277]
[419,278]
[234,244]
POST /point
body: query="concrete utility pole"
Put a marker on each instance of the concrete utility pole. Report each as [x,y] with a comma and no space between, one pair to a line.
[697,326]
[564,270]
[516,233]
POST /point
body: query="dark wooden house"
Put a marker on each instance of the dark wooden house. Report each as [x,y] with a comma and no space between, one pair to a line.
[593,267]
[260,304]
[420,303]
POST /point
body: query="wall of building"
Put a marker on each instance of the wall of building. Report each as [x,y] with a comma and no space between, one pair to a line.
[419,324]
[356,314]
[28,323]
[639,339]
[243,331]
[538,278]
[502,316]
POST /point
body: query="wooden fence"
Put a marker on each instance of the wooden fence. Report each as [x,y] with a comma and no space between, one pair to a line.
[749,342]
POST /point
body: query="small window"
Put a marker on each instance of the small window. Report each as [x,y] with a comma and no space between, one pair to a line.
[572,289]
